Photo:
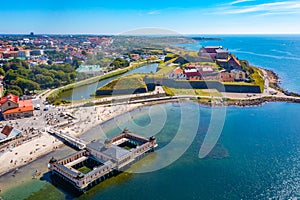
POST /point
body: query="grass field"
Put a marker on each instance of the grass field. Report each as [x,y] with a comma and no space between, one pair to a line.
[165,70]
[84,169]
[132,81]
[258,80]
[197,92]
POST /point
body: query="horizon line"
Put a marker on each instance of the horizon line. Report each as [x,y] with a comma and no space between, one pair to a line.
[111,34]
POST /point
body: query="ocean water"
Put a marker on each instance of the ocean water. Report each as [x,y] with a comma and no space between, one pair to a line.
[280,53]
[257,156]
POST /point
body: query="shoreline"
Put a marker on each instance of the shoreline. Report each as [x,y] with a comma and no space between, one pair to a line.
[132,107]
[25,154]
[91,117]
[248,103]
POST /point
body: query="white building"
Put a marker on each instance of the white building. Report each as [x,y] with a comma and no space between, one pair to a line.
[9,133]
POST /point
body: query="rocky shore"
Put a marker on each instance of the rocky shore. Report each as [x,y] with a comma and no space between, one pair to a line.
[275,83]
[260,101]
[274,80]
[247,102]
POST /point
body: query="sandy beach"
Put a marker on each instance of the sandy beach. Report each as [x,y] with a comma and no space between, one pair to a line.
[86,118]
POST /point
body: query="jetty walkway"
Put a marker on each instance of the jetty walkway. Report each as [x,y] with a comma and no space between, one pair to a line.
[73,141]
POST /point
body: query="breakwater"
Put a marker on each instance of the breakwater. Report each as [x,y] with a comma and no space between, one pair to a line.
[246,102]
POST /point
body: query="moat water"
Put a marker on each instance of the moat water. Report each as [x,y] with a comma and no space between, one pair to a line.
[86,91]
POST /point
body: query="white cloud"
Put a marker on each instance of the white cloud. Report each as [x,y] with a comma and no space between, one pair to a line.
[240,1]
[264,8]
[154,12]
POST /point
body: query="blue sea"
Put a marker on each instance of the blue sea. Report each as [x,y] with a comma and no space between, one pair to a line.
[280,53]
[256,155]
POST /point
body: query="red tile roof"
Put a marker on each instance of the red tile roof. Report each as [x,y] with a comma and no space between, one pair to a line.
[24,106]
[211,49]
[7,130]
[178,70]
[10,97]
[235,60]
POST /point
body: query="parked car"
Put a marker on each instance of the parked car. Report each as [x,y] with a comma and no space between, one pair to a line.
[37,107]
[46,108]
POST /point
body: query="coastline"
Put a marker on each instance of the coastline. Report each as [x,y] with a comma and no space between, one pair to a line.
[100,114]
[25,154]
[89,124]
[248,103]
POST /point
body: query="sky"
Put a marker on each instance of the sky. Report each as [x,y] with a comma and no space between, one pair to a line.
[119,17]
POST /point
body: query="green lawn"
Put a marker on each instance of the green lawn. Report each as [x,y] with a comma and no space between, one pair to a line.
[197,92]
[258,80]
[132,81]
[165,70]
[238,83]
[84,170]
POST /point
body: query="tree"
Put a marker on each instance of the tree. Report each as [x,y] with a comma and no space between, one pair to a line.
[10,75]
[18,73]
[14,66]
[2,72]
[15,88]
[28,85]
[15,92]
[76,63]
[120,63]
[46,81]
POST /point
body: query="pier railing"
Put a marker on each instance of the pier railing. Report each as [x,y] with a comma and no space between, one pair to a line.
[78,143]
[97,173]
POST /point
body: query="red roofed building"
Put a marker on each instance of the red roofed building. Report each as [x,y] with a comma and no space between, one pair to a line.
[191,72]
[13,108]
[234,63]
[7,130]
[135,56]
[226,76]
[231,63]
[209,51]
[177,74]
[9,133]
[8,54]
